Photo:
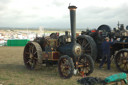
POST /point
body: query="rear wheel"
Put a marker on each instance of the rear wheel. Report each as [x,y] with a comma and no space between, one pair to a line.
[32,55]
[121,60]
[88,45]
[65,66]
[86,64]
[104,28]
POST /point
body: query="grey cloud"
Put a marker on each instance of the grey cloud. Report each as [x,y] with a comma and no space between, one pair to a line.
[93,12]
[3,4]
[58,3]
[36,8]
[94,16]
[5,1]
[2,7]
[88,17]
[122,12]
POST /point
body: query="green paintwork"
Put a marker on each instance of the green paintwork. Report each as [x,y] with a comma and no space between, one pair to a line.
[17,42]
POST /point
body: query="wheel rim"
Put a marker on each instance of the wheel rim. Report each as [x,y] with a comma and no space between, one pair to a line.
[122,61]
[65,67]
[30,56]
[85,66]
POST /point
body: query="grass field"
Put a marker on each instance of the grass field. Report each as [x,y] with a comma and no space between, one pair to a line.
[13,71]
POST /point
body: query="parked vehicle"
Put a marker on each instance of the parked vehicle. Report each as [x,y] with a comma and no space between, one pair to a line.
[63,50]
[119,50]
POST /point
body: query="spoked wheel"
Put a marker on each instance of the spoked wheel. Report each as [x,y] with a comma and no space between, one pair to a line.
[32,56]
[86,65]
[88,45]
[104,28]
[121,60]
[65,66]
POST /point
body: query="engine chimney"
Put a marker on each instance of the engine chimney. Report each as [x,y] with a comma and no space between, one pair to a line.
[72,49]
[73,23]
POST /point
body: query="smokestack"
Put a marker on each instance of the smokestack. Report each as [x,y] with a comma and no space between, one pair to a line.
[73,22]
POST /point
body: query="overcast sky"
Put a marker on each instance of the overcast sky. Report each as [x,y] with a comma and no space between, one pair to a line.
[55,13]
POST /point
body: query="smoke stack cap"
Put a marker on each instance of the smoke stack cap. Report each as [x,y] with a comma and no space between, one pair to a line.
[72,7]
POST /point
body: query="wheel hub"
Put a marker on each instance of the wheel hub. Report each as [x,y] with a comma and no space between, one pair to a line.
[78,50]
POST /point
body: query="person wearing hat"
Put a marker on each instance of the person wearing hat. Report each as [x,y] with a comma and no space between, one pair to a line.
[106,52]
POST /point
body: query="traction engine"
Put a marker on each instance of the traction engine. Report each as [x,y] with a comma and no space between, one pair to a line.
[63,50]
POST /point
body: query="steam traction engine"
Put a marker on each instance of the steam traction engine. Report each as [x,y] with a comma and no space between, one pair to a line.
[119,50]
[63,50]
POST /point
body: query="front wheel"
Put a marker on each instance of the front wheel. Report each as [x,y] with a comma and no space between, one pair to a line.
[86,64]
[65,66]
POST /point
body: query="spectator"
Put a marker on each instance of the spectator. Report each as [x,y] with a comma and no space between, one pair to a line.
[106,52]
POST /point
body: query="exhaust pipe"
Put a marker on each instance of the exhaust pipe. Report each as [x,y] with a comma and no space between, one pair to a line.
[73,22]
[72,49]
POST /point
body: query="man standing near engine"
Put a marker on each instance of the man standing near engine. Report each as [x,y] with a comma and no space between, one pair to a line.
[106,52]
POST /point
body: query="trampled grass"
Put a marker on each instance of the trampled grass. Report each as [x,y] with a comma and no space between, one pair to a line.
[13,71]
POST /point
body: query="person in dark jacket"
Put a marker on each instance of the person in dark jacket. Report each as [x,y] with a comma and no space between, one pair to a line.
[106,52]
